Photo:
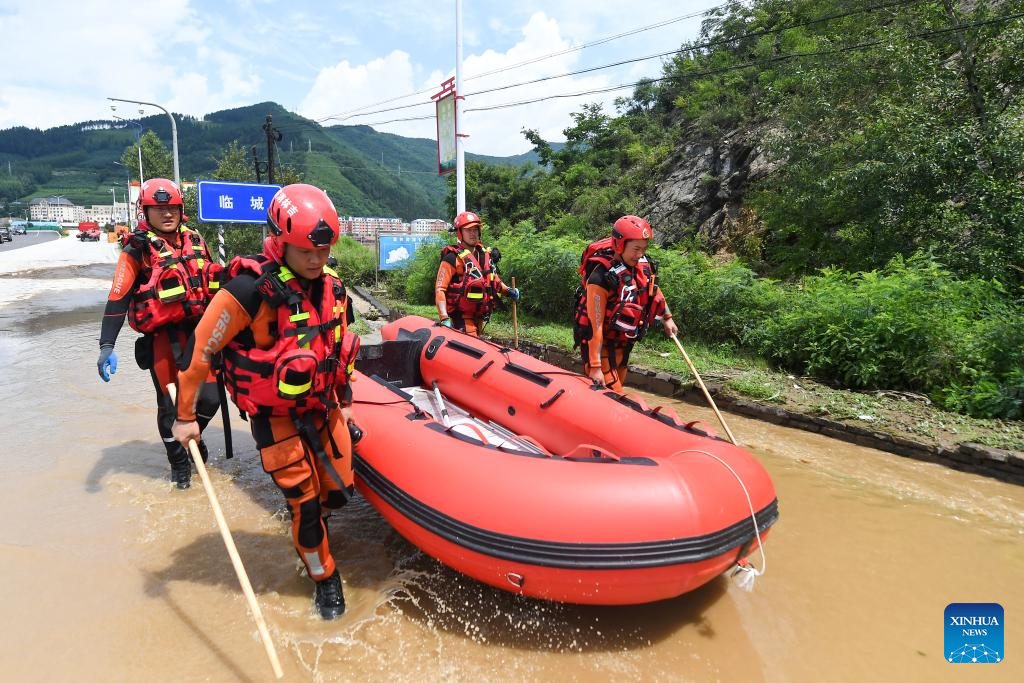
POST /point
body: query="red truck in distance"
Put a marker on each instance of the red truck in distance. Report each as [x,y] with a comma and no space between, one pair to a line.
[89,231]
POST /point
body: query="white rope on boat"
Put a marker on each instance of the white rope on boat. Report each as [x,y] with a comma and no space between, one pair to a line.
[744,573]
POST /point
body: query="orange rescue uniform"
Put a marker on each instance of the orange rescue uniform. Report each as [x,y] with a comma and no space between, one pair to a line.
[454,269]
[611,356]
[310,487]
[158,352]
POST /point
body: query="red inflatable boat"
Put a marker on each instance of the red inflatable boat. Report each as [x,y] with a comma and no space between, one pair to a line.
[528,478]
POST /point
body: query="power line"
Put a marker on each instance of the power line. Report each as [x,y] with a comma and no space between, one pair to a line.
[720,70]
[697,46]
[534,60]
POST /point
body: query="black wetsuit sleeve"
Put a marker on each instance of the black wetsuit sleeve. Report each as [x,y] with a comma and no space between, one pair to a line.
[243,288]
[598,276]
[116,309]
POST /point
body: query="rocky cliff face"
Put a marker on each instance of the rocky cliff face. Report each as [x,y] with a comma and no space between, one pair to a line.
[705,186]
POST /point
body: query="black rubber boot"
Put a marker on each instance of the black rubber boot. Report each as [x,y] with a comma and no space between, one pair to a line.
[330,597]
[181,468]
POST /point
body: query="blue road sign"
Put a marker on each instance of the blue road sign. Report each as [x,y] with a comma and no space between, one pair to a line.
[397,250]
[221,202]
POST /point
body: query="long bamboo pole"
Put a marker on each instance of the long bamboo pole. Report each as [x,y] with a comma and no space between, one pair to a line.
[229,543]
[703,388]
[515,320]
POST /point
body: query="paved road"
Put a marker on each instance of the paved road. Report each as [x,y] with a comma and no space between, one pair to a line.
[28,240]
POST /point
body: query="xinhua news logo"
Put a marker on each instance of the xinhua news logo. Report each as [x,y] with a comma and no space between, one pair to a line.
[974,633]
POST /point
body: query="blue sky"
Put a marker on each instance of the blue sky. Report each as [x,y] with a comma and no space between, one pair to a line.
[62,58]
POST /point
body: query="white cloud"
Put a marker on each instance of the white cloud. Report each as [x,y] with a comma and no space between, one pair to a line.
[396,255]
[341,88]
[63,58]
[344,87]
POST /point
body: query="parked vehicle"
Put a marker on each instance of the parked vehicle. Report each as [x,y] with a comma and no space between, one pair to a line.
[5,234]
[19,229]
[89,231]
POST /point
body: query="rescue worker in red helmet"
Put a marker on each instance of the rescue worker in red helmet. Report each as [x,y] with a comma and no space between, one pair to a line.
[621,301]
[281,324]
[163,281]
[467,282]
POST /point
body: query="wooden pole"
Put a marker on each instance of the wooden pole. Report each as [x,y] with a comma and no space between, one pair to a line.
[229,543]
[703,388]
[515,321]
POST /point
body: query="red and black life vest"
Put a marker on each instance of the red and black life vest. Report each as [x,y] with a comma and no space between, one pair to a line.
[180,282]
[310,358]
[631,310]
[471,292]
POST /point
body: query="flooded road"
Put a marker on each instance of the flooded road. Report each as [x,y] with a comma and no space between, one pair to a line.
[110,575]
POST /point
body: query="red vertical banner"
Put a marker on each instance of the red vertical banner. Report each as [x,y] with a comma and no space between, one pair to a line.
[447,157]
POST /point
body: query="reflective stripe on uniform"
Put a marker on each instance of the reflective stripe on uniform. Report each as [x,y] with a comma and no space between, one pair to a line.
[293,389]
[313,562]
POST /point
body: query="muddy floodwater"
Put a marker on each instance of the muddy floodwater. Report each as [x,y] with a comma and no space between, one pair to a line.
[110,575]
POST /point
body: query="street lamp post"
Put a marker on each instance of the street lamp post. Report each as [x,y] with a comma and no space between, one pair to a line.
[174,133]
[60,214]
[138,143]
[128,193]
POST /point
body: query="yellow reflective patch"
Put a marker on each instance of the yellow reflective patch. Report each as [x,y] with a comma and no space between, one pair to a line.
[298,316]
[285,274]
[293,389]
[475,295]
[165,293]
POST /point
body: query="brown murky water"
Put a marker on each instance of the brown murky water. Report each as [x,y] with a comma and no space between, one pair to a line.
[110,575]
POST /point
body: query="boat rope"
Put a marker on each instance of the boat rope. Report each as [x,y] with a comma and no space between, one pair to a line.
[744,573]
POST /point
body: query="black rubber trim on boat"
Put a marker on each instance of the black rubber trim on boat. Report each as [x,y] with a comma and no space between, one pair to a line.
[569,555]
[433,346]
[456,345]
[526,373]
[384,383]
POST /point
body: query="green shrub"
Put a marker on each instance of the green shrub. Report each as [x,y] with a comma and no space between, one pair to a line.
[912,325]
[545,270]
[356,263]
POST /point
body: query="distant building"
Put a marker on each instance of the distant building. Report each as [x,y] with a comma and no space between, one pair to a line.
[422,226]
[106,214]
[366,229]
[59,209]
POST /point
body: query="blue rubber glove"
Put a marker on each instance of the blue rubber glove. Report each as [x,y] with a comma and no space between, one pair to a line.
[107,361]
[514,293]
[447,322]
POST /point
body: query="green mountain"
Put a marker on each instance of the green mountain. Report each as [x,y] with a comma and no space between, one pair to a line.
[366,173]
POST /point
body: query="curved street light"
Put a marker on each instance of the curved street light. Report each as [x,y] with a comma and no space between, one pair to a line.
[174,132]
[138,142]
[60,214]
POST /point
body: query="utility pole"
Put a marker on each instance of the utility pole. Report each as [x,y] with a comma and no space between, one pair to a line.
[273,135]
[257,165]
[460,149]
[308,141]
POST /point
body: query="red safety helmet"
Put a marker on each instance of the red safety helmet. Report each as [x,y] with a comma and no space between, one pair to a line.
[302,215]
[466,219]
[160,192]
[629,228]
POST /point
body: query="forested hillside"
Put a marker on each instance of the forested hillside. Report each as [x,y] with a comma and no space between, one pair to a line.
[366,172]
